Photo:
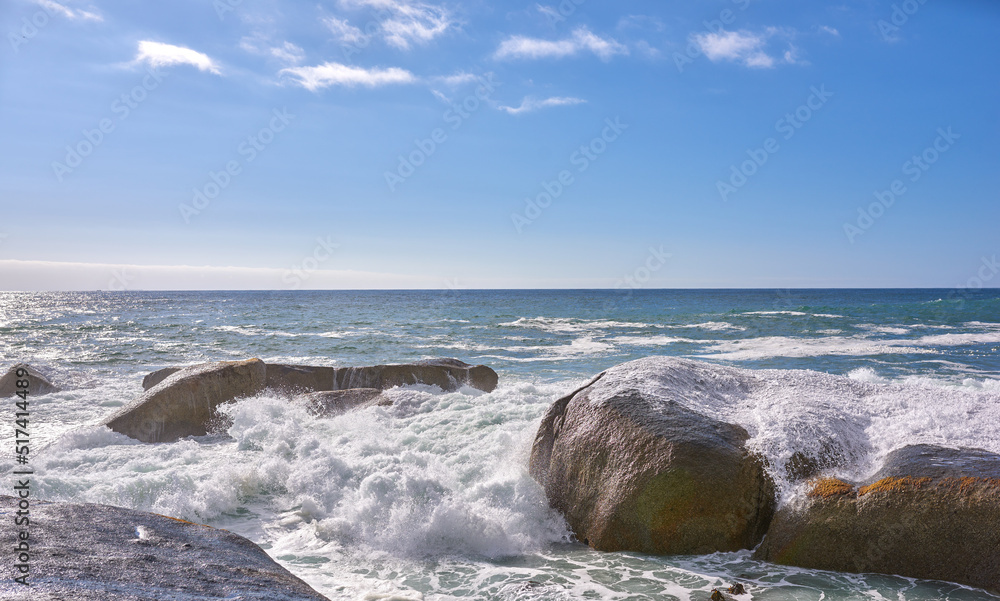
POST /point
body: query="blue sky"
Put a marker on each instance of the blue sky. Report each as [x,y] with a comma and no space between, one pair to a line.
[402,144]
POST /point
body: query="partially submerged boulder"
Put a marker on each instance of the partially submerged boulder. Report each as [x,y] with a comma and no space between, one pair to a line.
[336,402]
[184,403]
[38,384]
[930,512]
[89,552]
[447,374]
[634,469]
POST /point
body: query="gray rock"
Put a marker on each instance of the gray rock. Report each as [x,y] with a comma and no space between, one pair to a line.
[930,512]
[158,376]
[38,384]
[292,378]
[88,552]
[447,374]
[336,402]
[634,469]
[184,403]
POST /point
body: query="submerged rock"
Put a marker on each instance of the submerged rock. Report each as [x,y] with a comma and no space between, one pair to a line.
[38,384]
[336,402]
[930,512]
[89,552]
[446,374]
[184,403]
[632,468]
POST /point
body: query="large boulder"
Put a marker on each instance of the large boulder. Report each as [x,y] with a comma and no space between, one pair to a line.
[38,384]
[184,403]
[88,552]
[633,468]
[930,512]
[447,374]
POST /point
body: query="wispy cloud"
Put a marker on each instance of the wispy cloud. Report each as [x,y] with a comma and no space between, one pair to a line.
[157,54]
[582,40]
[336,74]
[829,30]
[343,31]
[53,7]
[288,53]
[405,22]
[262,45]
[457,79]
[530,104]
[743,47]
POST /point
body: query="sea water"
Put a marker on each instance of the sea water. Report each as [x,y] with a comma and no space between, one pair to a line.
[429,498]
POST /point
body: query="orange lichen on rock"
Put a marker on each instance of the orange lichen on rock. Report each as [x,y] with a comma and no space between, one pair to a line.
[968,484]
[830,487]
[893,485]
[182,521]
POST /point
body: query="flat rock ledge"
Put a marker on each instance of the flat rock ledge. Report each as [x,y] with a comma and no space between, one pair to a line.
[89,552]
[931,512]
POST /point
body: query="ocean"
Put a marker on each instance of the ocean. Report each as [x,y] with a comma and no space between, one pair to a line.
[430,498]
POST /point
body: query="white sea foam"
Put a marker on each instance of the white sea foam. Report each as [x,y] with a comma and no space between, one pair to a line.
[569,325]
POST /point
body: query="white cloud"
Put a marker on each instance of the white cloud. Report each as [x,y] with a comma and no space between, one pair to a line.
[53,7]
[262,45]
[521,47]
[530,104]
[405,22]
[457,79]
[336,74]
[157,54]
[344,31]
[829,30]
[745,47]
[288,53]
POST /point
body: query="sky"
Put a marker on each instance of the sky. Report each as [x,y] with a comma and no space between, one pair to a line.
[346,144]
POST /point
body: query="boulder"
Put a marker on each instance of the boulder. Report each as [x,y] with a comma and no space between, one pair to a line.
[291,378]
[89,552]
[158,376]
[930,512]
[447,374]
[632,468]
[38,384]
[336,402]
[184,403]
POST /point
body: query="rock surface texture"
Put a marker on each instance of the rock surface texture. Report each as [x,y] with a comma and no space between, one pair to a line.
[88,552]
[930,512]
[631,467]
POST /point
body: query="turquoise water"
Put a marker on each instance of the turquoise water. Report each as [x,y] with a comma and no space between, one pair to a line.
[429,498]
